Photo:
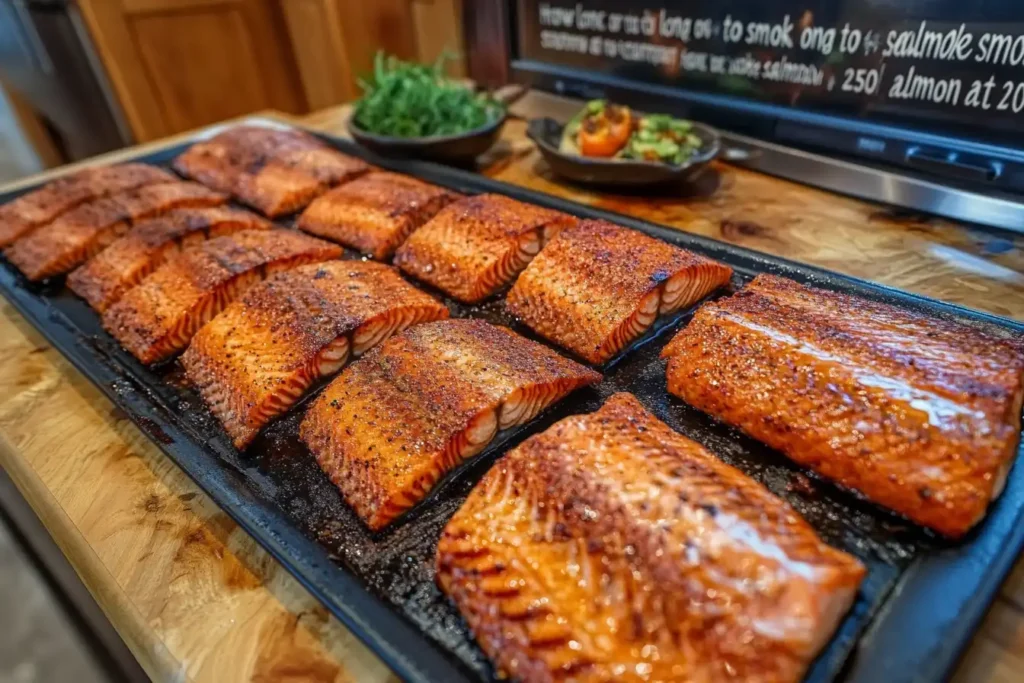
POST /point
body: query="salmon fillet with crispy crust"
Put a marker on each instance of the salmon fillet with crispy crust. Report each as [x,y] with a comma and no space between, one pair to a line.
[259,356]
[611,548]
[105,278]
[275,171]
[20,216]
[158,318]
[598,286]
[392,424]
[80,234]
[921,415]
[375,213]
[477,245]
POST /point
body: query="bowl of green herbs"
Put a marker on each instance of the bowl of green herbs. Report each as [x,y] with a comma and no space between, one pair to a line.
[414,110]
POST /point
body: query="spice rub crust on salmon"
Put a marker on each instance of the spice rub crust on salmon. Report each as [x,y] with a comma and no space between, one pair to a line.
[376,213]
[921,415]
[20,216]
[477,245]
[274,171]
[105,278]
[83,232]
[598,286]
[158,318]
[393,423]
[261,354]
[611,548]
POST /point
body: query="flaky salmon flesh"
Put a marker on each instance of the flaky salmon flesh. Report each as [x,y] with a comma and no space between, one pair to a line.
[477,245]
[20,216]
[597,286]
[259,356]
[611,548]
[919,414]
[67,242]
[396,421]
[376,213]
[275,171]
[158,318]
[105,278]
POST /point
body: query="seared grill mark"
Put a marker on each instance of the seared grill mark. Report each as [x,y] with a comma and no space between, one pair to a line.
[275,171]
[261,354]
[375,213]
[80,234]
[102,280]
[477,245]
[392,424]
[597,286]
[158,318]
[588,553]
[885,401]
[33,209]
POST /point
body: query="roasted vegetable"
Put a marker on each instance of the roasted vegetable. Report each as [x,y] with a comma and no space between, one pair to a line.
[602,129]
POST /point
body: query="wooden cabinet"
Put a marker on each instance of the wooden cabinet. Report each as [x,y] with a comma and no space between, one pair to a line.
[179,64]
[335,40]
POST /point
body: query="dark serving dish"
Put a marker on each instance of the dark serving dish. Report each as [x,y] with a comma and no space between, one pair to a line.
[917,609]
[547,135]
[458,150]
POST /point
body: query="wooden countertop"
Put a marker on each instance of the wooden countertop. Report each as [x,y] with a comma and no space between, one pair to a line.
[196,599]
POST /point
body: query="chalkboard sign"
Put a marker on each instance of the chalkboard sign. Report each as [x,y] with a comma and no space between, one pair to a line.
[937,85]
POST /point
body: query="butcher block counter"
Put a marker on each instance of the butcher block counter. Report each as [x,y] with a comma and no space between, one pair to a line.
[196,599]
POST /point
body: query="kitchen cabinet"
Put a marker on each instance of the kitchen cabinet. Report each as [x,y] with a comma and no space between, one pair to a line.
[179,64]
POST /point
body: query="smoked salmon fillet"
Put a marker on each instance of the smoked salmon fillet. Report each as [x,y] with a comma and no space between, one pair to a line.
[83,232]
[259,356]
[598,286]
[477,245]
[274,171]
[19,216]
[611,548]
[374,214]
[919,414]
[105,278]
[393,423]
[158,318]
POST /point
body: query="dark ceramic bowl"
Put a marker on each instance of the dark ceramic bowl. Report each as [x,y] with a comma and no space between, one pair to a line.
[547,134]
[459,149]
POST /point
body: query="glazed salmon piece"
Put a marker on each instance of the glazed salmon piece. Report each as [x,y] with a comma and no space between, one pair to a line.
[611,548]
[158,318]
[20,216]
[275,171]
[477,245]
[80,234]
[392,424]
[920,414]
[105,278]
[597,287]
[259,356]
[375,213]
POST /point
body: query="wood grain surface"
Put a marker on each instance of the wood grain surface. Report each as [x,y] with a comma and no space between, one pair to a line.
[196,599]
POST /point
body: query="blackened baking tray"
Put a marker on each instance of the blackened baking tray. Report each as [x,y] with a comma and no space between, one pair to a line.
[918,608]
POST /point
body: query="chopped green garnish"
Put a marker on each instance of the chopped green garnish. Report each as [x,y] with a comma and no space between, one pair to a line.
[409,100]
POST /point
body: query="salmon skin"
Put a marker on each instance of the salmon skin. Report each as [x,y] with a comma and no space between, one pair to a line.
[158,318]
[81,233]
[375,213]
[259,356]
[598,286]
[392,424]
[277,172]
[105,278]
[20,216]
[921,415]
[477,245]
[611,548]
